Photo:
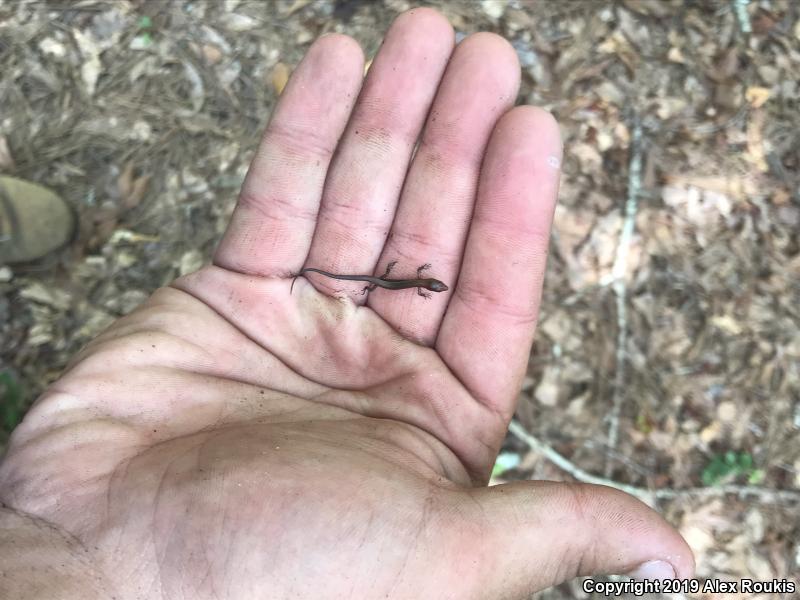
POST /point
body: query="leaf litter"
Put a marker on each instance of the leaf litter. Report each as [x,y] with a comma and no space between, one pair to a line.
[144,116]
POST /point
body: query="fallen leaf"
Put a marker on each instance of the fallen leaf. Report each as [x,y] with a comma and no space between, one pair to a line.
[211,54]
[755,141]
[726,411]
[656,8]
[676,55]
[735,186]
[493,8]
[296,5]
[53,47]
[781,197]
[137,192]
[190,262]
[727,323]
[6,160]
[102,223]
[125,180]
[548,390]
[91,67]
[726,66]
[280,77]
[47,295]
[757,96]
[710,433]
[238,22]
[196,81]
[125,235]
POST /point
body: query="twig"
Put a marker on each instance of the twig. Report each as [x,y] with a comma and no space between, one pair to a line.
[766,495]
[619,285]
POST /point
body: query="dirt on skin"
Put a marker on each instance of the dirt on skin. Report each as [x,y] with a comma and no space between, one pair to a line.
[144,116]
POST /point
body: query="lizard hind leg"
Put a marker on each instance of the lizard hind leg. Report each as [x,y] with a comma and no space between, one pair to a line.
[389,267]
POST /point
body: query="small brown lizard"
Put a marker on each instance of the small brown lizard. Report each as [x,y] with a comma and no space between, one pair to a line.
[384,282]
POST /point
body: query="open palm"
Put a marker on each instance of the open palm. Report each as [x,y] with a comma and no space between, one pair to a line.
[230,439]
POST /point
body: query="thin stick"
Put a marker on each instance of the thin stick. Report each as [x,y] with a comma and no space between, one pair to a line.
[619,284]
[644,494]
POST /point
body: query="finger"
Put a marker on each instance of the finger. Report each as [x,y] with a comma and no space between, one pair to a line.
[273,223]
[432,221]
[367,175]
[488,328]
[537,534]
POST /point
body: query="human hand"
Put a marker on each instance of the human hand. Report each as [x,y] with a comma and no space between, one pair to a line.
[232,440]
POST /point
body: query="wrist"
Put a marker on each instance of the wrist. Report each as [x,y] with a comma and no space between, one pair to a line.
[39,561]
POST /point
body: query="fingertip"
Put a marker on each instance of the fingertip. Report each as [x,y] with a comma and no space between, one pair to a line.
[543,128]
[491,43]
[429,20]
[649,540]
[346,49]
[494,54]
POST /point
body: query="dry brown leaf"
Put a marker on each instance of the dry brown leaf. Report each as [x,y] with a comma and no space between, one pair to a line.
[728,95]
[100,224]
[211,54]
[711,432]
[657,8]
[727,324]
[734,186]
[781,197]
[137,192]
[757,95]
[280,77]
[755,141]
[726,411]
[726,65]
[548,390]
[588,156]
[131,189]
[493,8]
[6,160]
[197,93]
[764,22]
[675,55]
[572,226]
[125,180]
[297,5]
[92,66]
[238,22]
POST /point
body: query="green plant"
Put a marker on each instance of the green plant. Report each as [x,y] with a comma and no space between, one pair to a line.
[505,462]
[144,38]
[724,467]
[11,410]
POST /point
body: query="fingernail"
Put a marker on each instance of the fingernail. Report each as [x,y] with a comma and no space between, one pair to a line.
[653,569]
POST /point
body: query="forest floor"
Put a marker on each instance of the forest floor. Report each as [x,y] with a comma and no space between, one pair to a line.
[668,352]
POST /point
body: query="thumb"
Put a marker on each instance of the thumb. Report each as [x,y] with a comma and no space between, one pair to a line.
[539,534]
